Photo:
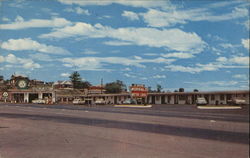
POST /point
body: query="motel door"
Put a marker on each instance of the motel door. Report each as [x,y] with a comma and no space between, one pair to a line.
[163,99]
[18,97]
[153,99]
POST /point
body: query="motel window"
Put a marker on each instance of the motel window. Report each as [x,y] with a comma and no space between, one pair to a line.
[157,98]
[212,97]
[222,97]
[182,97]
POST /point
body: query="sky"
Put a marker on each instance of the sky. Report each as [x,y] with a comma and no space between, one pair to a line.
[190,44]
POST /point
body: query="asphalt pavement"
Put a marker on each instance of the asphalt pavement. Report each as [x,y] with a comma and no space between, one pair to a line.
[65,131]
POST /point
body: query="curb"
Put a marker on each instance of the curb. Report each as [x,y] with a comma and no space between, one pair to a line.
[227,107]
[134,106]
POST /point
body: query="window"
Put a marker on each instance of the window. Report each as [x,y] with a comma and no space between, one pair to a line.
[222,97]
[182,97]
[212,97]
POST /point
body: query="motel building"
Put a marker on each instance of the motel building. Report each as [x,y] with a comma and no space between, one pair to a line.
[21,89]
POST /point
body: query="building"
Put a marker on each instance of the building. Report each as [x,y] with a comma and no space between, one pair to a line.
[99,89]
[63,85]
[20,89]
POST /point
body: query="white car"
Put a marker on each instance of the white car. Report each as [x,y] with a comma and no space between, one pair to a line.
[78,101]
[237,101]
[100,101]
[201,101]
[38,101]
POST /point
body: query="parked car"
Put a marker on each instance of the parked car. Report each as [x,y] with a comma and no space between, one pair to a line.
[237,101]
[38,101]
[100,102]
[201,101]
[129,101]
[78,101]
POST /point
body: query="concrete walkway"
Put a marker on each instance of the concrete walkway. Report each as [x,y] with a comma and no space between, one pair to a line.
[218,107]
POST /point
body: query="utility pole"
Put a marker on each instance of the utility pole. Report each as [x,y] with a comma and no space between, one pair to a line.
[101,84]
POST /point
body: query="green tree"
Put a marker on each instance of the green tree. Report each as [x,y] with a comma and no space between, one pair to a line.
[76,79]
[115,87]
[159,88]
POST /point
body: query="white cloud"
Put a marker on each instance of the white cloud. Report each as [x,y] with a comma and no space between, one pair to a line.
[159,76]
[129,75]
[178,55]
[246,24]
[234,60]
[20,62]
[126,69]
[35,23]
[65,74]
[82,11]
[221,59]
[97,63]
[215,83]
[241,76]
[227,45]
[89,52]
[29,44]
[150,54]
[190,69]
[130,15]
[240,60]
[245,43]
[40,57]
[138,57]
[1,59]
[221,62]
[157,18]
[172,39]
[146,4]
[78,10]
[117,43]
[5,19]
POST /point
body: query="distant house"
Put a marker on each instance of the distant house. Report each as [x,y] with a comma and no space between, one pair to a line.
[63,85]
[99,89]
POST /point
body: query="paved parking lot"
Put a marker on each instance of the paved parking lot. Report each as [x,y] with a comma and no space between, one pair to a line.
[38,131]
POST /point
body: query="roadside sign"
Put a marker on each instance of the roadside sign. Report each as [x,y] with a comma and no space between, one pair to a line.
[138,91]
[5,94]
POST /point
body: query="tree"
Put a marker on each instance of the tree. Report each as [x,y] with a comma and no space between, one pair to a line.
[196,90]
[181,89]
[115,87]
[159,88]
[77,82]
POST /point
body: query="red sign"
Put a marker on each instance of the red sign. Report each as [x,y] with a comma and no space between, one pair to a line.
[138,91]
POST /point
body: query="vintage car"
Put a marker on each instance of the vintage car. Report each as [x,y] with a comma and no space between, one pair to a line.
[201,101]
[100,102]
[237,101]
[78,101]
[38,101]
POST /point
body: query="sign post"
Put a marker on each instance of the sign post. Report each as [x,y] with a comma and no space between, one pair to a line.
[5,96]
[139,92]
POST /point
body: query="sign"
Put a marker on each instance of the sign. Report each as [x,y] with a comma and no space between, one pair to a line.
[22,84]
[5,94]
[138,91]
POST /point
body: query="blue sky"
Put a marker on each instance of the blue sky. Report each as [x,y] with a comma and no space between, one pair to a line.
[190,44]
